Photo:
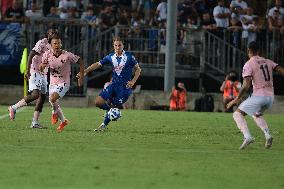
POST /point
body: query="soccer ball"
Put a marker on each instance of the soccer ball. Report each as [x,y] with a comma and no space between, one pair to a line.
[114,114]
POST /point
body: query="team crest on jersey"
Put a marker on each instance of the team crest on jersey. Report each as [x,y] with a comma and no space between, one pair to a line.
[118,66]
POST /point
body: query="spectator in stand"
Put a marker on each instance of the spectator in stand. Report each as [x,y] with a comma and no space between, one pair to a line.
[207,22]
[275,22]
[178,97]
[238,8]
[91,18]
[246,20]
[278,7]
[200,7]
[253,29]
[146,7]
[4,5]
[211,4]
[221,15]
[65,6]
[186,9]
[275,17]
[123,18]
[235,28]
[46,8]
[107,18]
[33,12]
[230,89]
[161,11]
[15,13]
[53,13]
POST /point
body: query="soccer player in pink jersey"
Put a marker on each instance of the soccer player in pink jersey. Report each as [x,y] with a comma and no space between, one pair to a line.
[257,72]
[59,61]
[37,80]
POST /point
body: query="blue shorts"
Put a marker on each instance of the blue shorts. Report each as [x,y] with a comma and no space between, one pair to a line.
[116,94]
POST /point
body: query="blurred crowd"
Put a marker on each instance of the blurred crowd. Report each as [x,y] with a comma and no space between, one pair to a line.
[241,17]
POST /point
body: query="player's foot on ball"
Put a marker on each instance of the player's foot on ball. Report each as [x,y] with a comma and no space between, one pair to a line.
[54,119]
[62,125]
[101,128]
[268,142]
[37,126]
[246,142]
[12,113]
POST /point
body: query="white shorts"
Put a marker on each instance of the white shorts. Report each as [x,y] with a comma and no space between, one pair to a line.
[61,89]
[256,105]
[38,81]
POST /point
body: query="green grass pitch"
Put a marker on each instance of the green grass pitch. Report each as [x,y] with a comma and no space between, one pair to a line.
[144,149]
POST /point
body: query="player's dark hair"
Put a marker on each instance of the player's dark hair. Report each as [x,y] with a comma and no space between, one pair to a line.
[53,36]
[117,39]
[51,32]
[253,47]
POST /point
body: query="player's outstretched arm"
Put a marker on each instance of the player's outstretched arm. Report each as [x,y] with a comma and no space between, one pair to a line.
[92,67]
[81,73]
[280,70]
[245,87]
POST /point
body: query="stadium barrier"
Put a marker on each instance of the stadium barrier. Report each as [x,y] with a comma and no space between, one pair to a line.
[209,53]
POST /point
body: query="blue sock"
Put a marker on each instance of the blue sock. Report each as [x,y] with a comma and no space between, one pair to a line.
[105,106]
[106,120]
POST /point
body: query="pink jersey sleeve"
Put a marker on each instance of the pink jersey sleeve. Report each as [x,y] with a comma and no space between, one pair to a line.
[45,56]
[73,58]
[273,64]
[40,46]
[247,70]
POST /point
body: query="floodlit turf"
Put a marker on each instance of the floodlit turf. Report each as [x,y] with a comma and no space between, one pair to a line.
[145,149]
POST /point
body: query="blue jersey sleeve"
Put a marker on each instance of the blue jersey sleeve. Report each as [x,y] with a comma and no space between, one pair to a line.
[105,60]
[133,60]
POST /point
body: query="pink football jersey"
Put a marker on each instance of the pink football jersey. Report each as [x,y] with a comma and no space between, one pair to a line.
[41,47]
[261,71]
[60,67]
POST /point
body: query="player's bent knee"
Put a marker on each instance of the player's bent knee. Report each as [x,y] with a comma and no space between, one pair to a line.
[99,101]
[53,97]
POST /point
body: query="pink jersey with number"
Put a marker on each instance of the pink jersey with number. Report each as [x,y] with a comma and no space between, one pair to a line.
[40,47]
[261,71]
[60,67]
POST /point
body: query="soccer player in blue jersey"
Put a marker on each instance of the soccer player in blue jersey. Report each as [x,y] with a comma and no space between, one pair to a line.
[119,89]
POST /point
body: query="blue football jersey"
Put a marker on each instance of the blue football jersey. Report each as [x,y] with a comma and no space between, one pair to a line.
[122,66]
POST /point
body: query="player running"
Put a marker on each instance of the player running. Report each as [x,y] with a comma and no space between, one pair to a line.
[119,89]
[59,61]
[257,71]
[37,80]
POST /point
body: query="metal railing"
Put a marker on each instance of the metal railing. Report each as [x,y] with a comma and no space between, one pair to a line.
[208,53]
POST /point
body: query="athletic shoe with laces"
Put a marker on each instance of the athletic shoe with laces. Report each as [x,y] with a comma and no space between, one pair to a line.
[246,142]
[54,119]
[268,142]
[62,125]
[12,113]
[37,126]
[101,128]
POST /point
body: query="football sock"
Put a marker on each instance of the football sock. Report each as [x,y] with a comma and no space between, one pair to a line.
[261,123]
[106,120]
[242,124]
[105,106]
[19,104]
[60,114]
[36,116]
[54,106]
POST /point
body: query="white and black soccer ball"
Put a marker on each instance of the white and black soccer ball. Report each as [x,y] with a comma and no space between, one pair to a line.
[114,114]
